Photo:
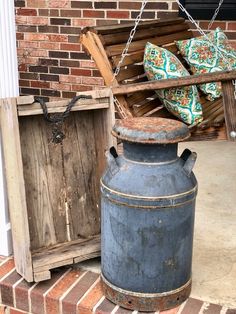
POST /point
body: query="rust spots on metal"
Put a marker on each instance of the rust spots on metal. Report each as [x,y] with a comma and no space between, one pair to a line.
[144,301]
[151,130]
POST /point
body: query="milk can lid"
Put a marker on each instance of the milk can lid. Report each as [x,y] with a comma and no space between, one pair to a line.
[151,130]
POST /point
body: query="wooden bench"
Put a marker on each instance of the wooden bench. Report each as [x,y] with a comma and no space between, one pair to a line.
[135,96]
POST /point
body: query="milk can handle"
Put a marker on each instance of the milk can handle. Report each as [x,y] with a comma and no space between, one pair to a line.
[111,156]
[189,159]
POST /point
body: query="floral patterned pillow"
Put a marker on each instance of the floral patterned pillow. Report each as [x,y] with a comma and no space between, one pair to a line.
[183,102]
[203,57]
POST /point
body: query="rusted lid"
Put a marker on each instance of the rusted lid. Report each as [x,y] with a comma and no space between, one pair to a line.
[151,130]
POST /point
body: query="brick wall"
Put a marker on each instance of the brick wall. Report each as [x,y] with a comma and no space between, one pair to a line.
[52,63]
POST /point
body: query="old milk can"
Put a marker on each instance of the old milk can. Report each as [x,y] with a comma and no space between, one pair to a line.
[148,203]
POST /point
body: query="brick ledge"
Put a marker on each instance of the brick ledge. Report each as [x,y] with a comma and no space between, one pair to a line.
[72,291]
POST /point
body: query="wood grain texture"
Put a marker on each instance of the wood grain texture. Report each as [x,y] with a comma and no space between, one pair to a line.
[117,28]
[45,190]
[172,83]
[16,187]
[229,103]
[115,50]
[152,31]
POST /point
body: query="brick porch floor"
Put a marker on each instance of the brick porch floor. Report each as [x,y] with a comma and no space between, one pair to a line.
[72,291]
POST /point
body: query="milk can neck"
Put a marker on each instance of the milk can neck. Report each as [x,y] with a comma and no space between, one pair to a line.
[150,152]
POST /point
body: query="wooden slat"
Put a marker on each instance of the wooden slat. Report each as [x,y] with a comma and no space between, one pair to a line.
[211,134]
[47,258]
[130,72]
[118,38]
[209,121]
[117,28]
[131,58]
[115,50]
[24,100]
[140,97]
[171,83]
[229,103]
[88,40]
[45,186]
[148,106]
[16,187]
[35,109]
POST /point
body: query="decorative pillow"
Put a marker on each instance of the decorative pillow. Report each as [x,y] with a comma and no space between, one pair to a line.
[183,102]
[203,57]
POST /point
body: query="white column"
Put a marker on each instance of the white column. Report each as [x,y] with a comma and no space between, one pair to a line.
[8,88]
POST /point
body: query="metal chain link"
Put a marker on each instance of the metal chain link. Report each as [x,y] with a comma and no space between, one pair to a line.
[131,36]
[191,19]
[215,14]
[60,117]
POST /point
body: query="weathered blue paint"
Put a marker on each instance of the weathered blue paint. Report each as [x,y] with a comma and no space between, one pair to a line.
[148,203]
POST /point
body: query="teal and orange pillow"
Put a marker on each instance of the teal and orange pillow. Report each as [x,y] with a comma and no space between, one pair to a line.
[204,57]
[183,102]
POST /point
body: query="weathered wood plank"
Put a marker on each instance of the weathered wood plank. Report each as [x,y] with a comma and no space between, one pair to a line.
[46,259]
[117,28]
[229,103]
[45,186]
[115,50]
[103,64]
[24,100]
[16,187]
[152,31]
[130,72]
[172,83]
[210,134]
[35,109]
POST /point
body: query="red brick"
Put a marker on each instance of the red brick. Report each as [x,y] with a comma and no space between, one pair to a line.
[36,295]
[105,307]
[21,295]
[24,83]
[81,72]
[19,36]
[68,95]
[212,309]
[91,13]
[6,267]
[71,47]
[6,288]
[57,38]
[70,79]
[87,64]
[69,303]
[82,4]
[58,3]
[50,46]
[26,12]
[118,14]
[52,298]
[232,26]
[37,20]
[83,22]
[172,311]
[40,84]
[87,304]
[37,37]
[92,80]
[192,306]
[62,87]
[130,5]
[28,44]
[21,20]
[204,25]
[70,13]
[48,12]
[81,88]
[36,3]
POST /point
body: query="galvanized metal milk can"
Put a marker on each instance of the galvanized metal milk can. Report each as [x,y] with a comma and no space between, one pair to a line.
[148,204]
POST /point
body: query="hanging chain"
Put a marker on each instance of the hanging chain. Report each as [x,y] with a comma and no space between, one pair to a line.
[215,14]
[191,19]
[131,36]
[58,119]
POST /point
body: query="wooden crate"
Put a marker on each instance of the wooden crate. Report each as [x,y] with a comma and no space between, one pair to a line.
[53,189]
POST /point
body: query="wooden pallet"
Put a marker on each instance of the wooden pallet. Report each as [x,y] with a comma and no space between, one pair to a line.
[53,189]
[134,95]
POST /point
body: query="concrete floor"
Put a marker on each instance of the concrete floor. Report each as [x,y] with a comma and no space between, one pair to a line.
[214,260]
